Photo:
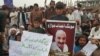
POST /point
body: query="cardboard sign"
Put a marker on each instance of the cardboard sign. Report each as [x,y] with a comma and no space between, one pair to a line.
[34,44]
[89,48]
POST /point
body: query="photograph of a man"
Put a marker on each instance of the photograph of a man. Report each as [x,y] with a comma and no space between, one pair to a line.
[60,42]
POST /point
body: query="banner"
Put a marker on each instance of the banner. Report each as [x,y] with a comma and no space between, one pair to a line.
[34,44]
[9,3]
[63,37]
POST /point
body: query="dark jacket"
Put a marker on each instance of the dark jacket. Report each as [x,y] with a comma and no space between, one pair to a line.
[49,13]
[59,17]
[38,30]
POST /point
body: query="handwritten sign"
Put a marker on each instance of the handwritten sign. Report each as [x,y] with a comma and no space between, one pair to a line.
[15,48]
[35,44]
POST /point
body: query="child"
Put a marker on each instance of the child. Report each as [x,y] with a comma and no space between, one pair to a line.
[59,8]
[36,26]
[18,37]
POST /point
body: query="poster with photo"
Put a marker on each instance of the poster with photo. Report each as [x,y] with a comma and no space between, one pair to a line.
[63,37]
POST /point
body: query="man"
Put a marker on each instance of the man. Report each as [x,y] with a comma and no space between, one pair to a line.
[95,30]
[59,12]
[70,15]
[3,17]
[50,11]
[22,18]
[13,16]
[60,43]
[78,13]
[36,12]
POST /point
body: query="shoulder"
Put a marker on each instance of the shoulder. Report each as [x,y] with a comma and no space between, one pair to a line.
[53,17]
[41,30]
[93,28]
[65,18]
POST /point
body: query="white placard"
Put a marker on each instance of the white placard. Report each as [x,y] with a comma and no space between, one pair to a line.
[34,44]
[89,48]
[15,48]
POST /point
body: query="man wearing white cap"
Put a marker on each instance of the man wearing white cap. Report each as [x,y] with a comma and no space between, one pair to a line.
[60,42]
[12,34]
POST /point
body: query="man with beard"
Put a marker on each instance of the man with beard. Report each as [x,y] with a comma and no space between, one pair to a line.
[60,45]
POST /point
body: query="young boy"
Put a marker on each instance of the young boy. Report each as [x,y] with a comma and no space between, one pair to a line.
[59,8]
[36,26]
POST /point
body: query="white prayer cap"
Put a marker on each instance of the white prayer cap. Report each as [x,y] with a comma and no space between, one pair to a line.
[21,26]
[13,29]
[96,37]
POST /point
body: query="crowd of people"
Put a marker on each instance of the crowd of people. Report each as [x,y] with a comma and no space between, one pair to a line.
[14,21]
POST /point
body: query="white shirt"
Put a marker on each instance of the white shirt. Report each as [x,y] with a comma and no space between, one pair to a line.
[20,19]
[77,15]
[94,33]
[70,17]
[13,16]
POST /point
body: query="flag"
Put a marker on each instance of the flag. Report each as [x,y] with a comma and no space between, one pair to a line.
[9,3]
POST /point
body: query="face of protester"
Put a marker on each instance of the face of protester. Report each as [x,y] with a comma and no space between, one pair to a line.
[36,24]
[13,32]
[60,40]
[52,4]
[82,41]
[59,11]
[18,38]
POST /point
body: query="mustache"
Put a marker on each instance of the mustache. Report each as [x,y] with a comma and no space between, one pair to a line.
[61,42]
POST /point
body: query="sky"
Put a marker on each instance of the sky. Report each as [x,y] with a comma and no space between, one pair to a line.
[19,3]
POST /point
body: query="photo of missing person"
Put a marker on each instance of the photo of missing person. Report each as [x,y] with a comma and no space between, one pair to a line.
[59,45]
[63,37]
